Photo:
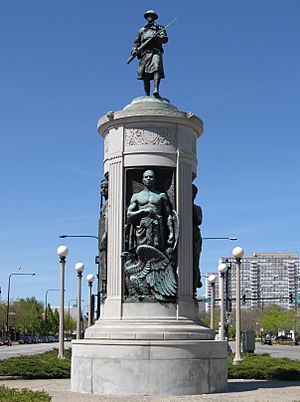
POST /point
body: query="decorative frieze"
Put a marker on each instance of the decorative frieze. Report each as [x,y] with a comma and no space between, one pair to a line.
[106,144]
[156,136]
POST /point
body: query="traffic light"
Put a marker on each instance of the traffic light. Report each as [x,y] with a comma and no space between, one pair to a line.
[291,298]
[228,304]
[244,299]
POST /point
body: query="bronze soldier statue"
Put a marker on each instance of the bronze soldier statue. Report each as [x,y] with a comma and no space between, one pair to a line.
[148,48]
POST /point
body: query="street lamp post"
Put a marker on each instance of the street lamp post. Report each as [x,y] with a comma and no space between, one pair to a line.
[220,238]
[79,267]
[8,294]
[62,252]
[238,253]
[212,280]
[64,236]
[46,300]
[97,260]
[222,268]
[90,279]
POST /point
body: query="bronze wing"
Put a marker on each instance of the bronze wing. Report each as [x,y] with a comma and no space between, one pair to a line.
[158,272]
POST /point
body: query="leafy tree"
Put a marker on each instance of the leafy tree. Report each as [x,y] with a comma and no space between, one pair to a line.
[28,315]
[288,320]
[251,320]
[205,318]
[52,323]
[2,317]
[70,323]
[276,319]
[271,319]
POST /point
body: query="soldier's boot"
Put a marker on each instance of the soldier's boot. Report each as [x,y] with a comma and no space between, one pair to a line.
[156,79]
[147,87]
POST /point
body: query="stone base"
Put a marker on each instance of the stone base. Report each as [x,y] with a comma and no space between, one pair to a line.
[149,367]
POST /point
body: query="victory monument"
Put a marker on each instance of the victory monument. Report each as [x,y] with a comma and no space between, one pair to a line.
[148,339]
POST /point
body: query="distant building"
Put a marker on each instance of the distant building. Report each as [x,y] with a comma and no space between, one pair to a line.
[71,309]
[266,278]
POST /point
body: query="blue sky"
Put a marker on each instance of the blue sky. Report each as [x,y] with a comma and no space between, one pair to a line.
[233,63]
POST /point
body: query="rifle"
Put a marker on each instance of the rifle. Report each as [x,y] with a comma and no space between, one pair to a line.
[142,47]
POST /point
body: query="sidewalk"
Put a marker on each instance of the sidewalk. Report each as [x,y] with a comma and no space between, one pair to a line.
[238,390]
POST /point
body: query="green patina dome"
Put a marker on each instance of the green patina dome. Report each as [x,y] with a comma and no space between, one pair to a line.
[149,102]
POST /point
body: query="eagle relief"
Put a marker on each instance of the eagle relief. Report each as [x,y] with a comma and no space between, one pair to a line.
[152,234]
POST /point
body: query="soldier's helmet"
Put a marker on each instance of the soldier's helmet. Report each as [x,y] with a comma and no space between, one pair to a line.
[151,12]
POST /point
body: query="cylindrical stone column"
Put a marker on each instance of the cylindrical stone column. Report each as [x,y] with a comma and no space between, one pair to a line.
[152,134]
[138,335]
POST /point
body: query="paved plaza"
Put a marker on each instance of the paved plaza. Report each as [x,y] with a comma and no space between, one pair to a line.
[238,390]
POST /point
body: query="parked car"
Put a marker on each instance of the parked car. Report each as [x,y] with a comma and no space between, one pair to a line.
[5,341]
[281,338]
[266,339]
[25,339]
[68,337]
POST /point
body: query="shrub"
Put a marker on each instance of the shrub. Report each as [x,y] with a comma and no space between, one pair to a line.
[22,395]
[264,367]
[45,365]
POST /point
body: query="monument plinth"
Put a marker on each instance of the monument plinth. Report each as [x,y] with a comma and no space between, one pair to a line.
[149,339]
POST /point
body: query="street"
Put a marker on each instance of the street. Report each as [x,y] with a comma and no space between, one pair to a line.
[289,351]
[276,350]
[25,350]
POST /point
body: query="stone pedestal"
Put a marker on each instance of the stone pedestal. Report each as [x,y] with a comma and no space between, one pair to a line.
[149,347]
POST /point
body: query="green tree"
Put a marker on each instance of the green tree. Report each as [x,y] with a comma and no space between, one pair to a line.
[70,323]
[28,315]
[251,320]
[2,317]
[205,318]
[288,320]
[52,323]
[275,319]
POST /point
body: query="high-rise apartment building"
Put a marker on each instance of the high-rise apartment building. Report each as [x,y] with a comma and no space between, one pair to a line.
[266,278]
